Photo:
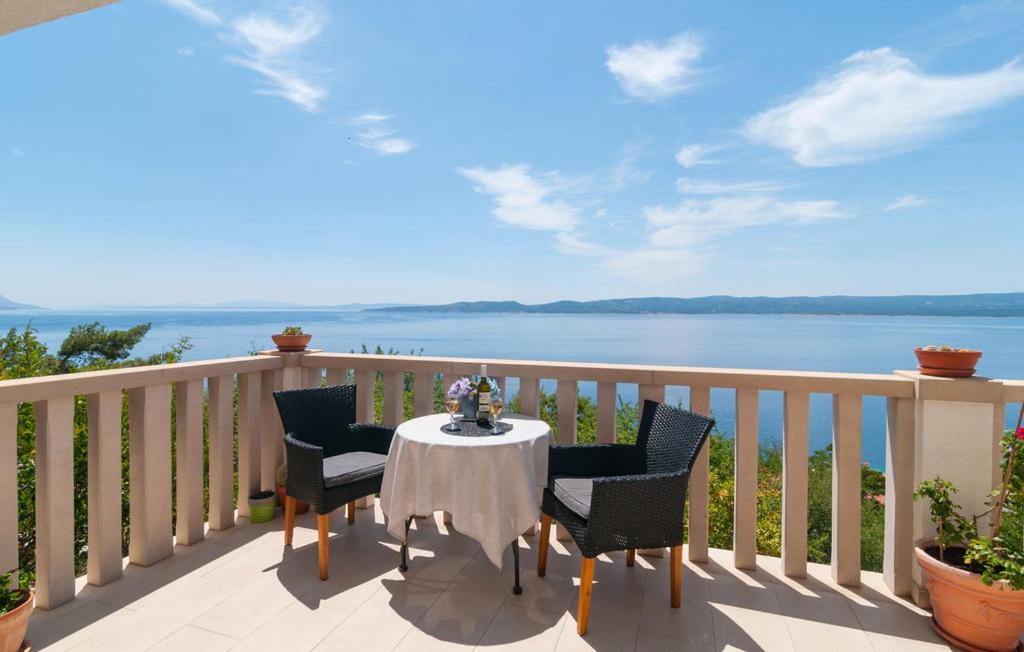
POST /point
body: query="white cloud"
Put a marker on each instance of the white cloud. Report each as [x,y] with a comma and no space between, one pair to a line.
[878,103]
[626,173]
[906,201]
[272,45]
[680,238]
[196,12]
[651,71]
[690,156]
[17,153]
[524,199]
[374,132]
[570,243]
[691,186]
[698,220]
[185,51]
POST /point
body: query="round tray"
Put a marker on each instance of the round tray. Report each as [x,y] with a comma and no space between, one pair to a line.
[470,429]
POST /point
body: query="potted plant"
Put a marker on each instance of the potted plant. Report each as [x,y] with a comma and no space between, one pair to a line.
[281,479]
[15,610]
[946,361]
[262,505]
[976,581]
[291,339]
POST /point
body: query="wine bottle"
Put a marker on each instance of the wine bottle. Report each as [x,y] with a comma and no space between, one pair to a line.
[483,402]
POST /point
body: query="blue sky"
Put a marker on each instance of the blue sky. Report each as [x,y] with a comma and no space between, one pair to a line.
[203,150]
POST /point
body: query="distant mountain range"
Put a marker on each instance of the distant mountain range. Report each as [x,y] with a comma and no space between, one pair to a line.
[958,305]
[7,304]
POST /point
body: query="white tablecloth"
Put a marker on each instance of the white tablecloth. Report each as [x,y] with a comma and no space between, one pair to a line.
[490,485]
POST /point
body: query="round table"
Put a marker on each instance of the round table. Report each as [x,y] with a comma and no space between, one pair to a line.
[489,484]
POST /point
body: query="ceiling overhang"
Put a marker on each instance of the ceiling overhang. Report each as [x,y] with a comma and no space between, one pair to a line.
[19,14]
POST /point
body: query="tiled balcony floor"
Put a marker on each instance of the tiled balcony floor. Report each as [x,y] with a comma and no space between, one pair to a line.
[241,589]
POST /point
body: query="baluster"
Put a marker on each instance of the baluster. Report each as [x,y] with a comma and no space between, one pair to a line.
[846,488]
[222,500]
[745,508]
[104,491]
[393,408]
[898,560]
[423,393]
[337,376]
[271,431]
[364,396]
[189,446]
[8,487]
[794,483]
[313,376]
[700,403]
[529,396]
[566,400]
[606,399]
[55,506]
[650,393]
[248,440]
[149,416]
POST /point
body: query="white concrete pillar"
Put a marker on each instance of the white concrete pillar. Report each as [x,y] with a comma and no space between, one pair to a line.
[956,422]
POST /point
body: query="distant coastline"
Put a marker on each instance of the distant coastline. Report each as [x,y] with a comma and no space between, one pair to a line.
[960,305]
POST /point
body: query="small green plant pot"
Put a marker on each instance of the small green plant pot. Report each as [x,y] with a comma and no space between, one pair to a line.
[262,506]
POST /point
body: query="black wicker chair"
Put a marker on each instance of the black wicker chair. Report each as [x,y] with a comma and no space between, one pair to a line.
[624,496]
[332,461]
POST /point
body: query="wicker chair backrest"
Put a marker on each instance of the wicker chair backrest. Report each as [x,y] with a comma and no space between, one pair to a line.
[319,416]
[671,437]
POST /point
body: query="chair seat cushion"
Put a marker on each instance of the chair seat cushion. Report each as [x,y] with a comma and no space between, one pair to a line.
[340,470]
[575,494]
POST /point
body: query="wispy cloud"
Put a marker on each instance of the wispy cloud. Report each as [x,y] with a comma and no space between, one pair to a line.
[17,153]
[374,132]
[691,186]
[906,201]
[185,51]
[626,172]
[652,71]
[575,245]
[525,199]
[196,12]
[696,154]
[272,44]
[680,238]
[878,103]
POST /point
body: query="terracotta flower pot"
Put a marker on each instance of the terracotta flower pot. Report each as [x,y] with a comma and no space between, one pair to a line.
[301,506]
[969,614]
[291,343]
[956,364]
[14,623]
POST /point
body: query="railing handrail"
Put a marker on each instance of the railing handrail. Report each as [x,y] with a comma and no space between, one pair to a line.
[38,388]
[41,388]
[767,379]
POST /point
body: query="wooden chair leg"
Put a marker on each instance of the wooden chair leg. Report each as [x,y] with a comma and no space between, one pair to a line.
[631,557]
[323,528]
[351,512]
[676,576]
[542,545]
[289,519]
[586,586]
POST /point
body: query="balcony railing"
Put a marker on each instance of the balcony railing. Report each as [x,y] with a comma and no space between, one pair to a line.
[211,386]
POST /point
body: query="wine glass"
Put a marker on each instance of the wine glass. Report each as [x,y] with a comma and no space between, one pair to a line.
[451,405]
[496,406]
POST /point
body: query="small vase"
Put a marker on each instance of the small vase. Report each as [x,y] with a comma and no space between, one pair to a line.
[262,506]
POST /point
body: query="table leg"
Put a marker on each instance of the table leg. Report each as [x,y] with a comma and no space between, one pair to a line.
[404,566]
[517,589]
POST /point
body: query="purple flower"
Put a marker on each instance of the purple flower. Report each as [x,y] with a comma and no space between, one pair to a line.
[460,388]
